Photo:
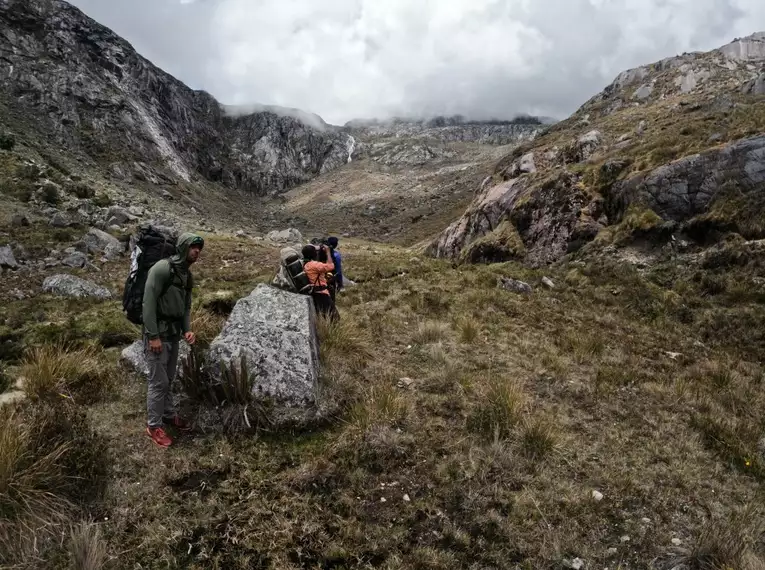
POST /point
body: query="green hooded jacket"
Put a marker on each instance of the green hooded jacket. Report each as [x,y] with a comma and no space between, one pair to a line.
[168,316]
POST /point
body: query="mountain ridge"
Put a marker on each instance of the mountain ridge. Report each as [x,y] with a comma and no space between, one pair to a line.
[132,111]
[633,146]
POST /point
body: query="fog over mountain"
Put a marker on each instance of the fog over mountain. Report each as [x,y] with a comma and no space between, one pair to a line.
[345,59]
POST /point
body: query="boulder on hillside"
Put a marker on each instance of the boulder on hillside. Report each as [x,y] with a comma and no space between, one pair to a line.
[98,241]
[71,286]
[119,216]
[514,286]
[754,86]
[290,235]
[61,220]
[275,332]
[19,220]
[135,357]
[687,187]
[7,260]
[75,259]
[587,144]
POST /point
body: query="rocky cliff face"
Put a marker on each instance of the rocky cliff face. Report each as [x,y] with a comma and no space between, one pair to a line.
[78,85]
[451,129]
[673,150]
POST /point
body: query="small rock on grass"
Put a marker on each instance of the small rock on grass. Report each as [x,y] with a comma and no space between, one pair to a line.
[597,496]
[575,564]
[7,259]
[547,282]
[76,259]
[514,285]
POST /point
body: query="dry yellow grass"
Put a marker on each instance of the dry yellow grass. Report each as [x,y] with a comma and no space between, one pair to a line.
[30,481]
[87,548]
[455,449]
[52,371]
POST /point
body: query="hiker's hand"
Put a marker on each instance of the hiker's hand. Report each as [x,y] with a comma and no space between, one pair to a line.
[155,345]
[190,337]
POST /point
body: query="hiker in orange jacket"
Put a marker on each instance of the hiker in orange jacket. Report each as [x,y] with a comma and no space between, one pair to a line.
[316,271]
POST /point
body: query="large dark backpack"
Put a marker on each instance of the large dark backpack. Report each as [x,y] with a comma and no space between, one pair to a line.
[292,269]
[151,246]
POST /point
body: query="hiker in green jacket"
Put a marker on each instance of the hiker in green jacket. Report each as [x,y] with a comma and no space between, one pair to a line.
[167,318]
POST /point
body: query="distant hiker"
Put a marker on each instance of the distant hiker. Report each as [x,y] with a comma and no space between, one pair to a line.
[336,283]
[316,271]
[167,318]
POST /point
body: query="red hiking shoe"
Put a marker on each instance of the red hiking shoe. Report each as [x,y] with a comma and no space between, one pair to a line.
[159,436]
[178,423]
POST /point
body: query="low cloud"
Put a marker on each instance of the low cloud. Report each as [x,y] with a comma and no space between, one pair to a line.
[346,59]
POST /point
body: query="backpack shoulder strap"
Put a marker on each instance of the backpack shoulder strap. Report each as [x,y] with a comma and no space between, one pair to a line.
[169,283]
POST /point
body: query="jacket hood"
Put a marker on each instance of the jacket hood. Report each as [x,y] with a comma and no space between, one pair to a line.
[185,241]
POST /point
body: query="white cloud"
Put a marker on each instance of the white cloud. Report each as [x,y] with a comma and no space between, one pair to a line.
[361,58]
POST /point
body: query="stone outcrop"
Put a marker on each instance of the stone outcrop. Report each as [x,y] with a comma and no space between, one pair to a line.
[550,219]
[275,331]
[71,286]
[85,89]
[558,192]
[687,187]
[737,63]
[448,130]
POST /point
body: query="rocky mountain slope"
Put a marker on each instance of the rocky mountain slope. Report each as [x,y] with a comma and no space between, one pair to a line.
[407,178]
[672,151]
[450,129]
[69,81]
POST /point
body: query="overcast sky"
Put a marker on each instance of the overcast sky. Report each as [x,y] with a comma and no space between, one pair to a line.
[346,59]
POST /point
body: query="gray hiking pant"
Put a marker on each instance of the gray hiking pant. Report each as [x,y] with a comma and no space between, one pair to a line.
[162,366]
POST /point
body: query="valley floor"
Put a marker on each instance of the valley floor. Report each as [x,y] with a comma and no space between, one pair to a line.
[610,422]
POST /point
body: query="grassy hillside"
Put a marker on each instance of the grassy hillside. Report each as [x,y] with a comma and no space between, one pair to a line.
[614,419]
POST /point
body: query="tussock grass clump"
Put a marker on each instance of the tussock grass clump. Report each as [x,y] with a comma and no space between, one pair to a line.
[734,440]
[372,429]
[87,547]
[30,480]
[430,332]
[584,347]
[500,406]
[206,324]
[51,466]
[538,438]
[468,330]
[52,371]
[610,377]
[345,343]
[727,544]
[380,403]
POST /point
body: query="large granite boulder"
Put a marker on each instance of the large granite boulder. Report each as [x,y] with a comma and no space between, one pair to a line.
[275,331]
[71,286]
